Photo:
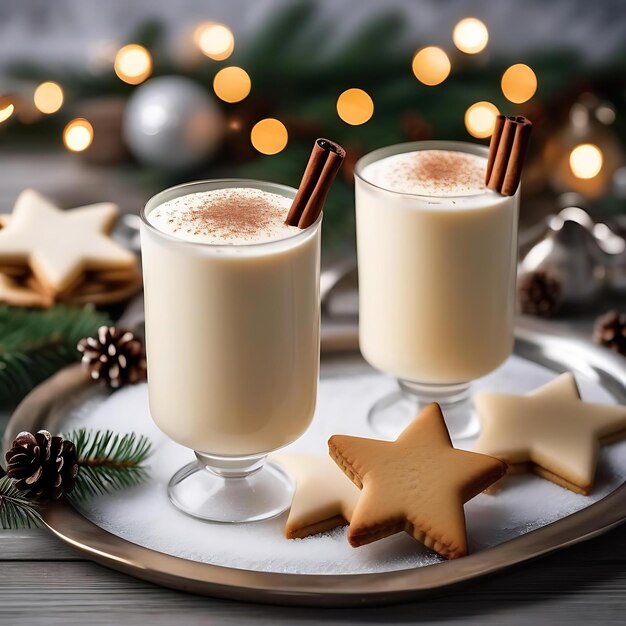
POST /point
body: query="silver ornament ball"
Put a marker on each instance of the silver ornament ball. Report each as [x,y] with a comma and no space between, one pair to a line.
[172,122]
[571,253]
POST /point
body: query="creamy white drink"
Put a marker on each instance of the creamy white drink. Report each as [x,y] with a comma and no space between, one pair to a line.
[232,318]
[437,263]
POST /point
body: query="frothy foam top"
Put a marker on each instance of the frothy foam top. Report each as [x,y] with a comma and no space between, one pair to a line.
[237,215]
[430,173]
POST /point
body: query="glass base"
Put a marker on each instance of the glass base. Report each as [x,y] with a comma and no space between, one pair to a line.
[231,490]
[394,412]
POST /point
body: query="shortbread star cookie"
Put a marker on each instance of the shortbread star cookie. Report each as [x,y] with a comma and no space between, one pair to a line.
[417,483]
[550,431]
[102,294]
[58,245]
[324,498]
[16,294]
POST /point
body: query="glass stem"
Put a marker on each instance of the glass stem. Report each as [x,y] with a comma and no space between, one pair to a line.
[447,396]
[231,467]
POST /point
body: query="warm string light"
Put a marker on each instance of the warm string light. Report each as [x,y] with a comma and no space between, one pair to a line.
[480,119]
[519,83]
[78,135]
[133,64]
[355,106]
[48,97]
[269,136]
[6,112]
[232,84]
[470,35]
[586,160]
[214,40]
[431,65]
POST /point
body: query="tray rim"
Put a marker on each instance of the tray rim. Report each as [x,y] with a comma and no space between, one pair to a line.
[533,339]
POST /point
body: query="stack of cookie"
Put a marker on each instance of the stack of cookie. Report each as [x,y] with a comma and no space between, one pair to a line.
[48,255]
[416,484]
[419,482]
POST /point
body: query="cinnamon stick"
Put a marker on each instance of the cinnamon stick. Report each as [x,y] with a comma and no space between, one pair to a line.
[507,150]
[324,163]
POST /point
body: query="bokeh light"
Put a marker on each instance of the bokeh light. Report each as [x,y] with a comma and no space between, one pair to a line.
[586,160]
[431,65]
[470,35]
[133,64]
[354,106]
[232,84]
[78,135]
[480,119]
[6,112]
[214,40]
[48,97]
[605,113]
[269,136]
[519,83]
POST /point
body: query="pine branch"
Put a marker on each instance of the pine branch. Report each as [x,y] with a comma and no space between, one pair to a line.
[35,344]
[16,511]
[108,461]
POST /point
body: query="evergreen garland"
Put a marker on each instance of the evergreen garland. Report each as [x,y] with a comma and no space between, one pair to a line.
[34,344]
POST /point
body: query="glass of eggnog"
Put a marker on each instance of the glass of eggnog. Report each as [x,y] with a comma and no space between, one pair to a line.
[232,339]
[437,260]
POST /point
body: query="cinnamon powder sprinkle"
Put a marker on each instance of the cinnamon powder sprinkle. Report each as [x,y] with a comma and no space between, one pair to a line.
[430,173]
[446,170]
[236,215]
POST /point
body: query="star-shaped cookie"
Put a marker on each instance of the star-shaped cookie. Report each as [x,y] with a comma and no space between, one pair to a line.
[417,483]
[58,245]
[550,431]
[16,294]
[324,498]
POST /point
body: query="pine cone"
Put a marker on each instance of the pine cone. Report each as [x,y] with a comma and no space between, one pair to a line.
[43,467]
[539,293]
[610,331]
[114,356]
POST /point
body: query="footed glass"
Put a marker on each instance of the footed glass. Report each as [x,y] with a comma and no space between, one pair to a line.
[436,289]
[232,340]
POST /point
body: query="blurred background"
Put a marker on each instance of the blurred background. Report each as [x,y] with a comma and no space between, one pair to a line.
[116,100]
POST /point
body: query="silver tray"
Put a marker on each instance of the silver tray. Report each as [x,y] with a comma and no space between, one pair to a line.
[50,401]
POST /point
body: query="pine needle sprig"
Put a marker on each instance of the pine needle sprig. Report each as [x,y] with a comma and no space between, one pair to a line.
[16,511]
[35,344]
[108,461]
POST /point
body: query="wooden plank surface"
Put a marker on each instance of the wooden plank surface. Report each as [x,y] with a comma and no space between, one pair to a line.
[43,583]
[34,545]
